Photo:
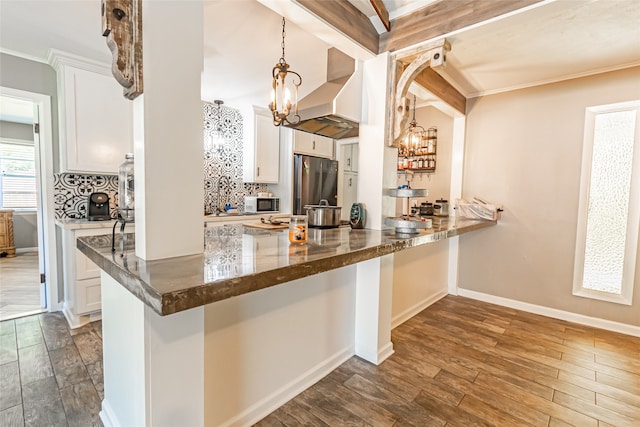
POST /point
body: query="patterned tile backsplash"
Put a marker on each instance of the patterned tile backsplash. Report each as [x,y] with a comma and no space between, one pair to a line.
[71,191]
[222,173]
[223,166]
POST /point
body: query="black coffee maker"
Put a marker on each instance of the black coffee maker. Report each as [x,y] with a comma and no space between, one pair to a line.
[98,207]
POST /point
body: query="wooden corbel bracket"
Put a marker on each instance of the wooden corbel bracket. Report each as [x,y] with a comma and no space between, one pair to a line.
[433,56]
[122,26]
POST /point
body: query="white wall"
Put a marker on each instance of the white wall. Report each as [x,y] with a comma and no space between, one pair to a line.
[524,150]
[420,274]
[263,348]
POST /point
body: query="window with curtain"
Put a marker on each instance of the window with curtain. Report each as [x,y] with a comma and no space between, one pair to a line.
[17,175]
[609,215]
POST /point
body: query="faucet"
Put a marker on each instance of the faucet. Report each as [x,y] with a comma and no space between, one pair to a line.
[219,210]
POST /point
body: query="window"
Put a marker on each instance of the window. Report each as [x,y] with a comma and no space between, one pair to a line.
[609,209]
[17,175]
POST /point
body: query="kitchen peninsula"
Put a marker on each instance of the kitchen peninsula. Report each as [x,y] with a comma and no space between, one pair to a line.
[183,332]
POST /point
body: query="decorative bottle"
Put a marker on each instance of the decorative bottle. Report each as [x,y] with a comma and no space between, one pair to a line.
[126,199]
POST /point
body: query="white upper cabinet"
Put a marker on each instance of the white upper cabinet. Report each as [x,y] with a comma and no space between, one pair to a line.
[96,120]
[261,151]
[349,157]
[312,145]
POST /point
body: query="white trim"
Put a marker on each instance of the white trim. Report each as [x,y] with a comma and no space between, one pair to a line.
[22,55]
[45,175]
[25,250]
[385,352]
[407,314]
[554,80]
[107,416]
[633,214]
[77,321]
[57,58]
[581,319]
[270,403]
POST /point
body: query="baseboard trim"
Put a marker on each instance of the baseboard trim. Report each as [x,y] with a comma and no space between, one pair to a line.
[417,308]
[107,416]
[25,250]
[264,407]
[581,319]
[385,352]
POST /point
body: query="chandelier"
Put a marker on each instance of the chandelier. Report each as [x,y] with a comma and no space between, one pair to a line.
[215,138]
[415,134]
[280,93]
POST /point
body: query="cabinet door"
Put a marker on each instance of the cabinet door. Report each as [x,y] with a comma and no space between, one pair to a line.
[349,157]
[97,123]
[267,150]
[313,145]
[355,152]
[349,193]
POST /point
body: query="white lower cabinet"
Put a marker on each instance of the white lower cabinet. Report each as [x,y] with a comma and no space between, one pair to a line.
[82,291]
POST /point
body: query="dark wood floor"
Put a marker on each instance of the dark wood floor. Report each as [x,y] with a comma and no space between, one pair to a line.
[458,363]
[467,363]
[50,375]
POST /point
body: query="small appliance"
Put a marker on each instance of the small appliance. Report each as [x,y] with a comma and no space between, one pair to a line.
[253,204]
[98,207]
[356,216]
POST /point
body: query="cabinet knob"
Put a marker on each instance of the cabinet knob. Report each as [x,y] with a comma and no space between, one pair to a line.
[313,144]
[348,162]
[258,171]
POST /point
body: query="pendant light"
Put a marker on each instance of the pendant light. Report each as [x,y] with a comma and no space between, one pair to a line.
[415,134]
[215,138]
[280,93]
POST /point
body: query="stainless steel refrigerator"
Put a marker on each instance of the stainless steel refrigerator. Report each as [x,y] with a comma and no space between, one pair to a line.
[314,179]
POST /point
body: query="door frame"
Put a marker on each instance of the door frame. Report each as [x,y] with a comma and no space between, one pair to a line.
[46,208]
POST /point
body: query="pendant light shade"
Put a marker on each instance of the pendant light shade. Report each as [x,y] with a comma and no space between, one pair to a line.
[284,94]
[415,134]
[215,138]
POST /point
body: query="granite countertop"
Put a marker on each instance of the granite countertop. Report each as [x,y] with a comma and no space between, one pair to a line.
[239,260]
[77,224]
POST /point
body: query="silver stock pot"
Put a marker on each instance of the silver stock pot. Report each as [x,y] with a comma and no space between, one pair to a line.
[323,215]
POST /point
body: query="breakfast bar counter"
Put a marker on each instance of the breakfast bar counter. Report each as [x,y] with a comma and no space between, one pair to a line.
[238,259]
[226,336]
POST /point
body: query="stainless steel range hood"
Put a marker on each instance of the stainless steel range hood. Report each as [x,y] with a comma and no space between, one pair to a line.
[333,109]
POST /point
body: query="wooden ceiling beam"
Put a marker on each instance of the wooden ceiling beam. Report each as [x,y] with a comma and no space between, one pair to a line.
[438,86]
[382,13]
[345,18]
[443,17]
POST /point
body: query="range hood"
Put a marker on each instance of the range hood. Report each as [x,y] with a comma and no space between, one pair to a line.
[334,108]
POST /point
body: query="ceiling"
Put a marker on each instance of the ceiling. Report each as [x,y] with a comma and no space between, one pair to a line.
[552,41]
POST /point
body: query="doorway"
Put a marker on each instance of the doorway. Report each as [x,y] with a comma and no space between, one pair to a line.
[28,280]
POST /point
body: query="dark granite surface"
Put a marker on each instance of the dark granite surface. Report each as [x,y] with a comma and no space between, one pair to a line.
[238,260]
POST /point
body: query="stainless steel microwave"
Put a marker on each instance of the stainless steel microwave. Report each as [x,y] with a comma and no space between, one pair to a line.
[253,204]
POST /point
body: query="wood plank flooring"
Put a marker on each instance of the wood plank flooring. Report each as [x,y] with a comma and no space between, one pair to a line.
[19,286]
[463,362]
[50,375]
[458,363]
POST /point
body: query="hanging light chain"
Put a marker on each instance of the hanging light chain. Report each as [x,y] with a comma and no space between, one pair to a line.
[282,60]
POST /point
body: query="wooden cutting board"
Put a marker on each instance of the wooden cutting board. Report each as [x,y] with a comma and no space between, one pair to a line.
[266,226]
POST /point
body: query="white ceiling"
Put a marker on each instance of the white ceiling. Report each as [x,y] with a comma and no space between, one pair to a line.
[555,41]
